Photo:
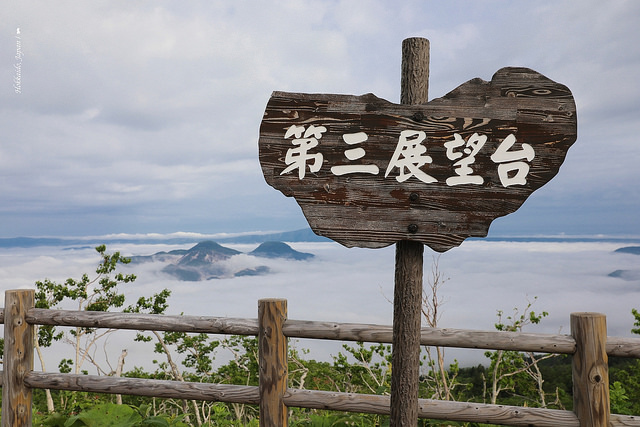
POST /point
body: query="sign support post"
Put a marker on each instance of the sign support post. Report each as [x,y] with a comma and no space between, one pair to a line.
[407,298]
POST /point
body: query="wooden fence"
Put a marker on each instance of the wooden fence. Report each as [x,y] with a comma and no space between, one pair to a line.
[588,344]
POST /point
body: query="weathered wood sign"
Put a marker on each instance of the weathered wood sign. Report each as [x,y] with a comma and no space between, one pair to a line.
[369,173]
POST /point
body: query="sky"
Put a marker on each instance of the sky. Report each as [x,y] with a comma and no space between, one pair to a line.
[143,117]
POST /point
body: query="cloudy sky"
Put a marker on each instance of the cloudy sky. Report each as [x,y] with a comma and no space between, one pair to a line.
[141,117]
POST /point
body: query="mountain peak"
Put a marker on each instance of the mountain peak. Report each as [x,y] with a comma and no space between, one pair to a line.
[207,260]
[279,250]
[206,252]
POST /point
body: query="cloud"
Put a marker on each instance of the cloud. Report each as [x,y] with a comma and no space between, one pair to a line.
[356,285]
[133,114]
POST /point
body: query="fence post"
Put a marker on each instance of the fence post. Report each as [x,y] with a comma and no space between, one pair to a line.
[590,369]
[18,358]
[272,356]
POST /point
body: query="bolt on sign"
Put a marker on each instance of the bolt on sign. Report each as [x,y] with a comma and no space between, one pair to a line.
[368,173]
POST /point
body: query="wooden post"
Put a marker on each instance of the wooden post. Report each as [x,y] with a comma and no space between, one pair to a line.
[272,348]
[414,81]
[407,298]
[590,369]
[18,358]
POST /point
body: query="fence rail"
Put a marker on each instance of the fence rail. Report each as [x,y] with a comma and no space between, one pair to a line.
[440,337]
[272,328]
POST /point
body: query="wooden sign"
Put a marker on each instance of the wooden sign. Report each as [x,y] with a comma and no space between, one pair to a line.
[368,173]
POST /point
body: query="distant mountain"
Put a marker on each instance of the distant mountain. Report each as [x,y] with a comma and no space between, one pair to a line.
[629,250]
[256,271]
[159,256]
[304,235]
[279,250]
[209,260]
[205,253]
[201,262]
[192,274]
[30,242]
[628,275]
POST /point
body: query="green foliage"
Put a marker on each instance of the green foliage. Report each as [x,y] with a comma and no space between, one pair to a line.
[98,294]
[196,348]
[619,400]
[65,366]
[109,414]
[519,320]
[515,377]
[624,383]
[243,368]
[332,419]
[371,371]
[106,414]
[156,304]
[636,315]
[624,379]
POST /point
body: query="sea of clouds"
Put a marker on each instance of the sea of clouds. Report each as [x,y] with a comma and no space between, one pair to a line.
[356,285]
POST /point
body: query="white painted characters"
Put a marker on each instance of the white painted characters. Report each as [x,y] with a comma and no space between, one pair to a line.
[410,156]
[354,154]
[298,157]
[509,161]
[468,154]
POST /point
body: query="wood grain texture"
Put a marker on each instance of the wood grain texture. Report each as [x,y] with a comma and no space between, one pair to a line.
[623,347]
[405,358]
[441,337]
[407,294]
[625,420]
[135,321]
[442,410]
[272,355]
[17,359]
[414,75]
[447,337]
[590,369]
[145,387]
[367,210]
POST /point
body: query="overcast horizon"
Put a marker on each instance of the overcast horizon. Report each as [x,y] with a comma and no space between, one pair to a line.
[143,118]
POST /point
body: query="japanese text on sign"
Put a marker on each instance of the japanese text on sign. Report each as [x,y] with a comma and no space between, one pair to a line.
[410,156]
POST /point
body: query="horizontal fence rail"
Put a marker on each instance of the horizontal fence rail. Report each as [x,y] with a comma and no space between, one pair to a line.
[168,389]
[139,322]
[313,399]
[437,337]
